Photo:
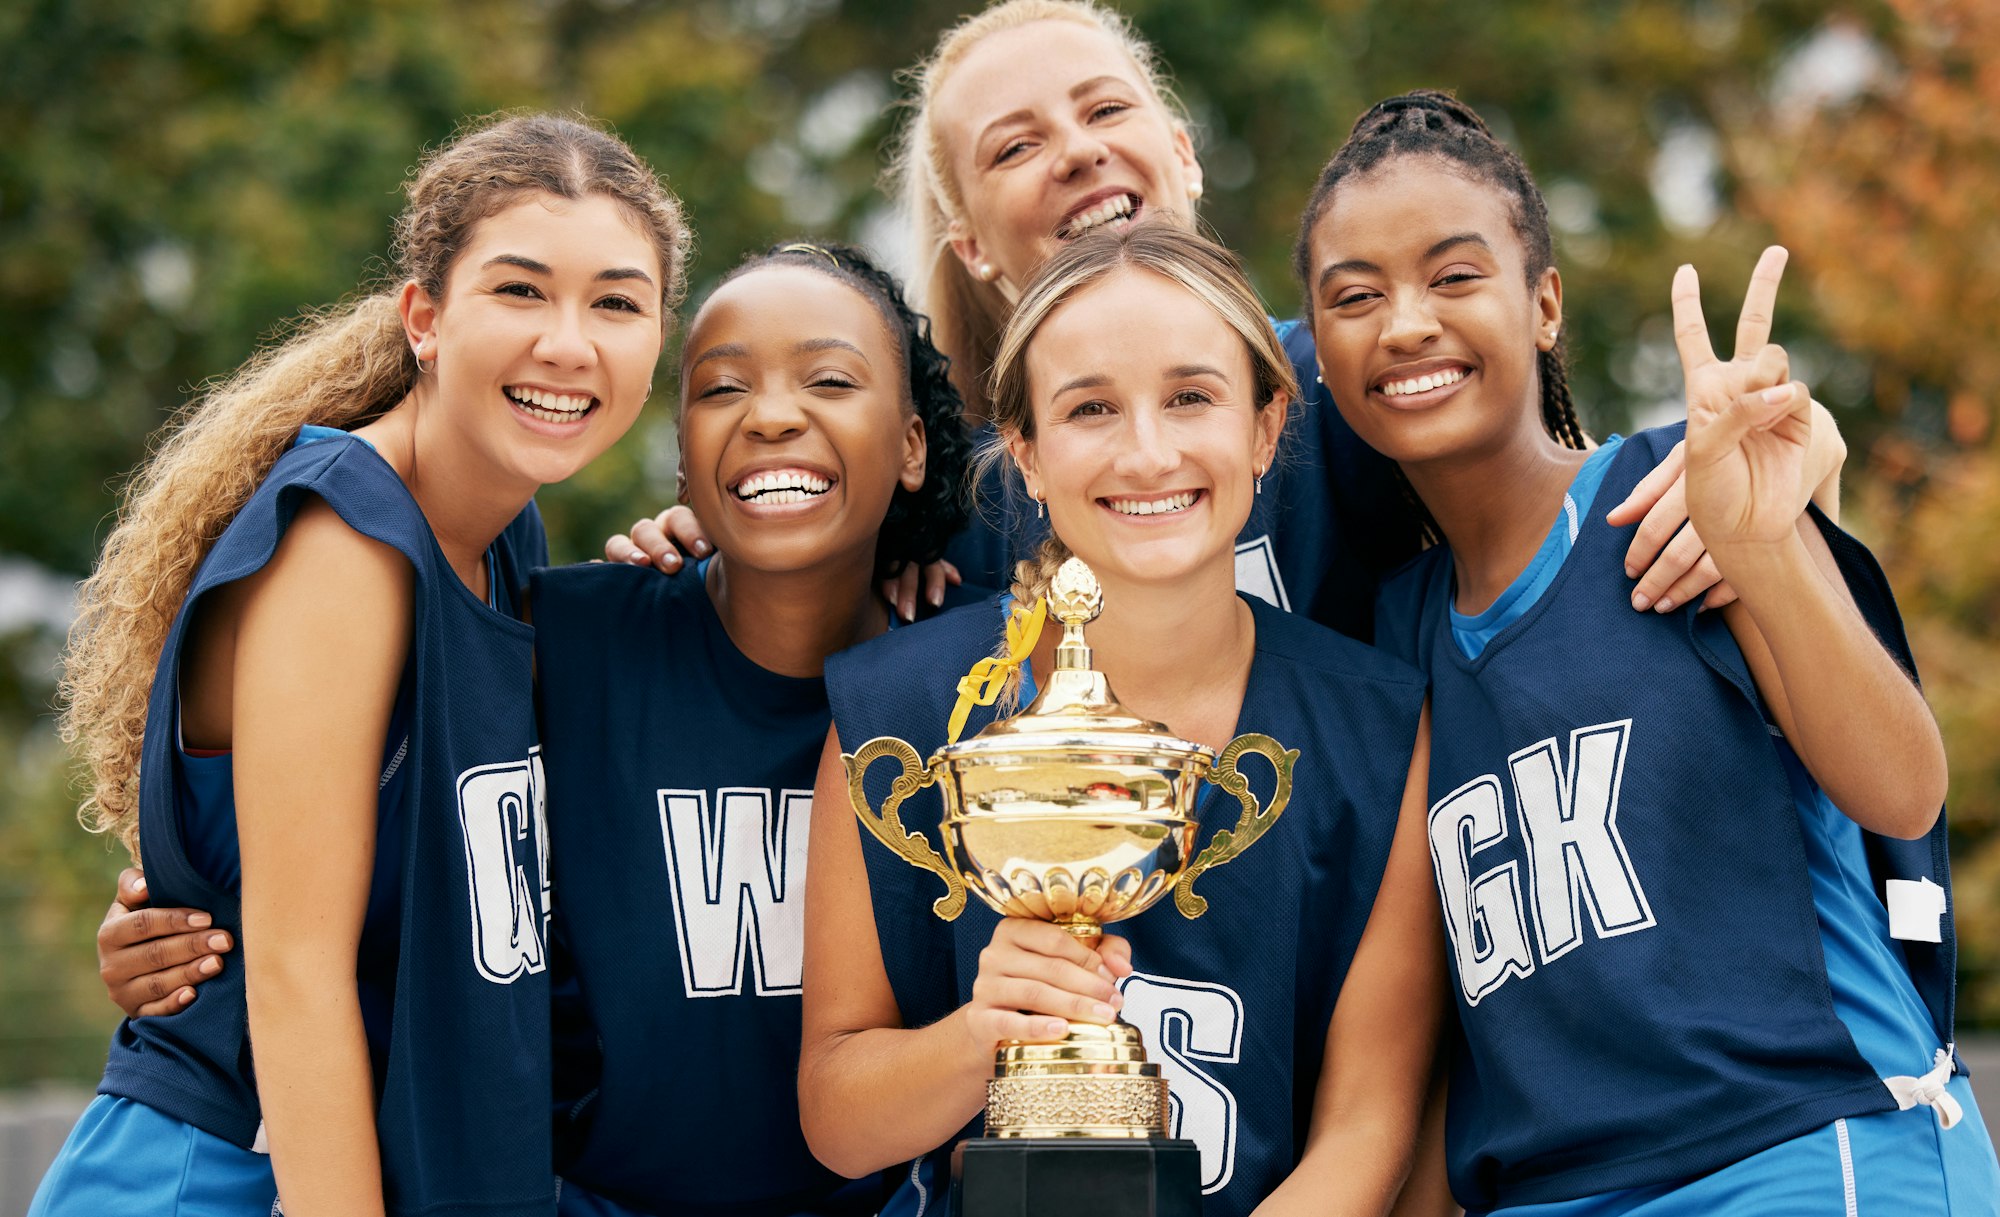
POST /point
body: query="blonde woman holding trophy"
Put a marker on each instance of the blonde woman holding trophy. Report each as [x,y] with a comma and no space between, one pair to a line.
[1295,1022]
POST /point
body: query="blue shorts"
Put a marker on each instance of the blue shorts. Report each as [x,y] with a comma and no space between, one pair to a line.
[1891,1164]
[126,1157]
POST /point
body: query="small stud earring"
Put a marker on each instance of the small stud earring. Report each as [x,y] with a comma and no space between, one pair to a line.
[988,272]
[1194,191]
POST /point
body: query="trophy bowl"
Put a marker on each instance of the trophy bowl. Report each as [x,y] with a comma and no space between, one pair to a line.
[1079,813]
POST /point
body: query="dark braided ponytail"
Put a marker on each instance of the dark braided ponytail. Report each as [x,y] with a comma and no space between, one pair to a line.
[920,521]
[1430,123]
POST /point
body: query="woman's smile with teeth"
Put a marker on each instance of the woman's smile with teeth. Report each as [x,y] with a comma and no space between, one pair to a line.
[782,486]
[1118,207]
[1423,384]
[1154,507]
[550,407]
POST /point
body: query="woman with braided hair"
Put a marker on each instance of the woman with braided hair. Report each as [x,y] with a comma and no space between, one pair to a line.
[681,721]
[1031,123]
[1696,920]
[683,718]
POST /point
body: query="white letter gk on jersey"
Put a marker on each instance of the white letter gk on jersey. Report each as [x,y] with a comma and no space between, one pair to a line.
[739,883]
[1576,859]
[500,808]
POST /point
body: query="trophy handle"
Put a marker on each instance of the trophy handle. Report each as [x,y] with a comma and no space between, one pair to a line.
[1227,843]
[887,825]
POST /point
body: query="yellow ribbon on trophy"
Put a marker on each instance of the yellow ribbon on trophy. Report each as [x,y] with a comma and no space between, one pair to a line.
[982,685]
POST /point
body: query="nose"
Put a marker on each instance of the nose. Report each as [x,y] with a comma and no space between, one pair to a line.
[1149,450]
[1412,322]
[563,343]
[1077,148]
[773,415]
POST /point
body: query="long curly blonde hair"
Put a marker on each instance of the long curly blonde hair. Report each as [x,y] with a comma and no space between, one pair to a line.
[336,367]
[966,314]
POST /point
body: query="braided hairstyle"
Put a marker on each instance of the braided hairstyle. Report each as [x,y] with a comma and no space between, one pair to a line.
[920,522]
[1432,123]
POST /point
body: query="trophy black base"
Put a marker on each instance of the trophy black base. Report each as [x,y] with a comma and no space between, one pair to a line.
[1053,1176]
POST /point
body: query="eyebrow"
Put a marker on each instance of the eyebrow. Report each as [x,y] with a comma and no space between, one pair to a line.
[726,350]
[542,268]
[1189,370]
[1076,91]
[1357,264]
[1083,382]
[814,345]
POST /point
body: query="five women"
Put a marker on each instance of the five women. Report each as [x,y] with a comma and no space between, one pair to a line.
[820,445]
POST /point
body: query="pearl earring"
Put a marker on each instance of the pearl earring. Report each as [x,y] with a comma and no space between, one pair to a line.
[1194,192]
[988,272]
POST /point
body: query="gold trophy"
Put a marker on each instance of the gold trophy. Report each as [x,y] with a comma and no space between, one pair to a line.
[1078,812]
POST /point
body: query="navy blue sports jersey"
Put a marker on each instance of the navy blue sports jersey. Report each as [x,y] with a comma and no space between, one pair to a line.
[462,1091]
[1642,991]
[1234,1005]
[1330,522]
[680,777]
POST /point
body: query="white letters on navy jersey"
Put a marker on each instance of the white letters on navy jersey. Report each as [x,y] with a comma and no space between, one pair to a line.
[1576,858]
[1571,828]
[1257,572]
[1185,1021]
[501,809]
[739,884]
[1489,931]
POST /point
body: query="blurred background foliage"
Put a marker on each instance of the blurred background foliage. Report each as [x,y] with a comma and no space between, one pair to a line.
[180,178]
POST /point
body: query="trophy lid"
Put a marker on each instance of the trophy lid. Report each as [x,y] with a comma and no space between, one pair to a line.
[1075,706]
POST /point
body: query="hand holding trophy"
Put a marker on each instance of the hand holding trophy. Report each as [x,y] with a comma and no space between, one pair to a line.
[1079,813]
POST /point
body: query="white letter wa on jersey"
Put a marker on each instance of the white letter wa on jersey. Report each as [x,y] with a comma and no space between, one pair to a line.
[500,807]
[739,883]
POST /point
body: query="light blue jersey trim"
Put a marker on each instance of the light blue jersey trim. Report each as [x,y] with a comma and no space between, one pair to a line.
[1891,1162]
[1474,632]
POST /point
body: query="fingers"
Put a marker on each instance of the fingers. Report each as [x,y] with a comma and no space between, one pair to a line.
[1641,501]
[901,592]
[934,584]
[951,574]
[1771,366]
[148,978]
[1690,328]
[132,891]
[1680,557]
[1034,968]
[1116,954]
[1719,596]
[1662,520]
[685,531]
[1699,578]
[618,547]
[1760,302]
[122,928]
[651,540]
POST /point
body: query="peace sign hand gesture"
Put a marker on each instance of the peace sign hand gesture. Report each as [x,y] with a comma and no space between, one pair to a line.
[1748,424]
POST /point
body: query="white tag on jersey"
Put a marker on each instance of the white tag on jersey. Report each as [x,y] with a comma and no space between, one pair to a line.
[1915,910]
